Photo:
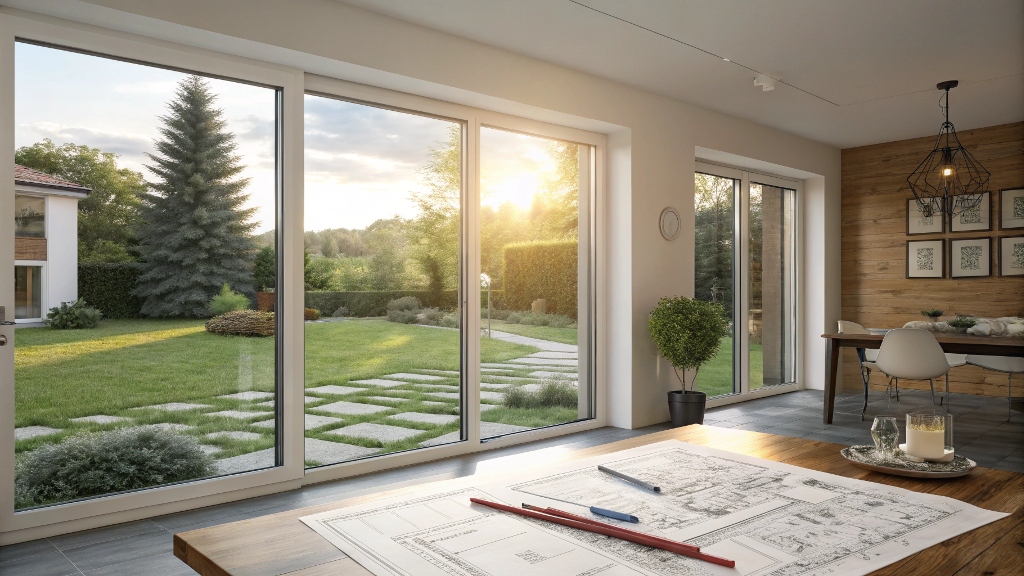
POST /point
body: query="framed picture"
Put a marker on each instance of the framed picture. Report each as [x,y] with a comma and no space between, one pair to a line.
[1011,256]
[970,257]
[973,219]
[918,222]
[926,259]
[1011,208]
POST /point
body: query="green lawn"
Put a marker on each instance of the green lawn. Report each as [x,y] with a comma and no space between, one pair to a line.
[715,377]
[126,364]
[563,335]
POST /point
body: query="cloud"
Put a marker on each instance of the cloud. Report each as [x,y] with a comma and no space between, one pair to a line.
[129,146]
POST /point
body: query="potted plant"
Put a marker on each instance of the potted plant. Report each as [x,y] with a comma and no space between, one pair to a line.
[932,314]
[962,323]
[687,333]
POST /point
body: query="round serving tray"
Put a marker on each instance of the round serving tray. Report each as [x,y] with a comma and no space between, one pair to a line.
[866,457]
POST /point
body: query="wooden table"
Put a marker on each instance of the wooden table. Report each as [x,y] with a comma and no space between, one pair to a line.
[280,544]
[952,343]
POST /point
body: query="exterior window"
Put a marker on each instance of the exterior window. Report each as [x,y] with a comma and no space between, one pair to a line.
[29,216]
[178,231]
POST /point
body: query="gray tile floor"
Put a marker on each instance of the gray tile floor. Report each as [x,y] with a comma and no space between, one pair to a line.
[144,547]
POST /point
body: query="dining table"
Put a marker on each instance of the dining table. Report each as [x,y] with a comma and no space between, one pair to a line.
[951,343]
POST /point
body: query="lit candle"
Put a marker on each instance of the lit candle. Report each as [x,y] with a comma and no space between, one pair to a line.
[926,437]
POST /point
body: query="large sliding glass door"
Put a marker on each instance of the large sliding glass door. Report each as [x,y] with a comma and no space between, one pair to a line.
[745,259]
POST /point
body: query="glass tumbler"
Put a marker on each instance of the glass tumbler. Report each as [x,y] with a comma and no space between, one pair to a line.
[886,435]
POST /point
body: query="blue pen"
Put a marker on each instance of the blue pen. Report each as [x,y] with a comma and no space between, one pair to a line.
[614,514]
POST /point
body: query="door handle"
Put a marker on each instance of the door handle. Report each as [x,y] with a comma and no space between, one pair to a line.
[3,340]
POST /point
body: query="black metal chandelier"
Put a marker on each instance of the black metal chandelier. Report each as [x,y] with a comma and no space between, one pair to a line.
[949,179]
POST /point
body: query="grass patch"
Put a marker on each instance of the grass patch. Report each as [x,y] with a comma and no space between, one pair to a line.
[715,377]
[562,335]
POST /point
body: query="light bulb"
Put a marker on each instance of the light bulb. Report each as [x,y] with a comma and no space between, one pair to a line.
[947,171]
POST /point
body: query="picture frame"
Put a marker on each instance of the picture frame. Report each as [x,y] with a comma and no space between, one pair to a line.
[1011,256]
[926,259]
[970,257]
[919,223]
[974,220]
[1011,208]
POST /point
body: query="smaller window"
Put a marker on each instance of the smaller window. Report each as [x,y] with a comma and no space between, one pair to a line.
[29,216]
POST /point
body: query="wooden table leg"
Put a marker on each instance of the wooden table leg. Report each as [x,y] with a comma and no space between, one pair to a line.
[832,353]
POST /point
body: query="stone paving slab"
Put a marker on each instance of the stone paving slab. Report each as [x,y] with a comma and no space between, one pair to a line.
[246,462]
[545,345]
[100,419]
[305,399]
[311,421]
[326,452]
[497,371]
[234,435]
[175,407]
[343,407]
[173,427]
[379,432]
[239,414]
[544,361]
[499,365]
[555,375]
[547,354]
[487,430]
[409,376]
[335,390]
[26,432]
[489,378]
[385,399]
[486,407]
[432,403]
[380,382]
[438,419]
[449,373]
[210,449]
[248,395]
[484,395]
[494,386]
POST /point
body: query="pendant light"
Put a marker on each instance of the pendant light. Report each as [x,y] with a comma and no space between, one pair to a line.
[949,179]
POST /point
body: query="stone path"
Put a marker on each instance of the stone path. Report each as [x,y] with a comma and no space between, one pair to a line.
[381,432]
[336,390]
[343,407]
[33,431]
[100,419]
[175,407]
[250,395]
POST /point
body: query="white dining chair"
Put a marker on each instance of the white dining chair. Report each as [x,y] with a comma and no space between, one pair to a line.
[1008,364]
[954,361]
[914,355]
[866,356]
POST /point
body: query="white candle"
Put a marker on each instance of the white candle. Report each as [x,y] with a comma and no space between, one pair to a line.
[925,443]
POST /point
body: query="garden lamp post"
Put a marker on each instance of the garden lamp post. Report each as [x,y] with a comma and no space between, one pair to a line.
[485,281]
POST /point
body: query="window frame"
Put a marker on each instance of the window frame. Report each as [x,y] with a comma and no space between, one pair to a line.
[741,281]
[16,526]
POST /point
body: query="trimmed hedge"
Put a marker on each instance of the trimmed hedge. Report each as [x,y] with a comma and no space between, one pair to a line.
[546,269]
[108,287]
[368,304]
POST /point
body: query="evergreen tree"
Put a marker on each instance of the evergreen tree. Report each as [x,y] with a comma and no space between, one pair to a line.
[195,234]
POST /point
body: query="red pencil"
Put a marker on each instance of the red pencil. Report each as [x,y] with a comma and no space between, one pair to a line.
[557,512]
[613,531]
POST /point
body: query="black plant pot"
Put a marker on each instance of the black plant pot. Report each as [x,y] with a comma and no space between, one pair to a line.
[686,407]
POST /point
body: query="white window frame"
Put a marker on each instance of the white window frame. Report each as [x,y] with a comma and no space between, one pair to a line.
[62,518]
[473,119]
[741,282]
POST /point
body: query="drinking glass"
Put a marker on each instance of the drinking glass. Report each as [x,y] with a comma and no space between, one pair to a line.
[886,435]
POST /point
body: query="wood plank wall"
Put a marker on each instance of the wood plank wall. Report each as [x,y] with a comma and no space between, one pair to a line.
[30,248]
[875,290]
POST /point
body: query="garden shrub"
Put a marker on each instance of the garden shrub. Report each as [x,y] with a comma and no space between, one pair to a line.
[547,269]
[73,315]
[341,312]
[373,304]
[95,464]
[264,269]
[310,314]
[242,323]
[552,393]
[403,316]
[109,287]
[405,303]
[532,319]
[228,301]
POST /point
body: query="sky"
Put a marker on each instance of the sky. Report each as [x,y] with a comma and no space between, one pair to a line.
[361,163]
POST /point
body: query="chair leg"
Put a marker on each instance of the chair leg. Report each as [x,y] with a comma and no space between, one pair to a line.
[1009,396]
[931,384]
[865,378]
[947,391]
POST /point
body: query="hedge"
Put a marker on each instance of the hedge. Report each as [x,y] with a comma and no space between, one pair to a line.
[370,304]
[109,287]
[545,269]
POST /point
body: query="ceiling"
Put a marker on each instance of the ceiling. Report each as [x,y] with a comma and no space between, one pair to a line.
[848,72]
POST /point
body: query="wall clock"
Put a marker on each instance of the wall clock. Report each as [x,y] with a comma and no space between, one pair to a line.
[670,223]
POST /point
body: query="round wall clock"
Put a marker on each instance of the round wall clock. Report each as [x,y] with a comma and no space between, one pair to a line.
[670,223]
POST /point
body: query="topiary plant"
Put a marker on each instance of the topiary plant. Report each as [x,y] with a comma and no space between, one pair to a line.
[242,323]
[228,301]
[73,315]
[91,464]
[687,332]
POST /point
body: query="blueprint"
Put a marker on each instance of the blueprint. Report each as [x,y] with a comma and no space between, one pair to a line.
[773,519]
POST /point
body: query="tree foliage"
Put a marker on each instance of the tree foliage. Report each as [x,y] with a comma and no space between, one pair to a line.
[434,233]
[109,214]
[196,234]
[714,240]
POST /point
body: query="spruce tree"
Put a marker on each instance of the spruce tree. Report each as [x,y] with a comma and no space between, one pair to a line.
[195,235]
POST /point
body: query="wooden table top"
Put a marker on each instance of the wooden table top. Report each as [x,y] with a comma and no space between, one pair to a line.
[280,544]
[983,344]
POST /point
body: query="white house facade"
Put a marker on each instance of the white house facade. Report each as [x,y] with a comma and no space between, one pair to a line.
[45,242]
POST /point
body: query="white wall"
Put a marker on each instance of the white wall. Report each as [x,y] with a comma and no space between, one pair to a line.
[61,251]
[651,147]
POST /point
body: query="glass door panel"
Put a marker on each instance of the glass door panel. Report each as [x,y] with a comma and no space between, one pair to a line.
[178,377]
[28,292]
[534,252]
[770,303]
[714,272]
[383,214]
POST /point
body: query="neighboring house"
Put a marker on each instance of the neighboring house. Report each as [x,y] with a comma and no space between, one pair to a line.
[45,242]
